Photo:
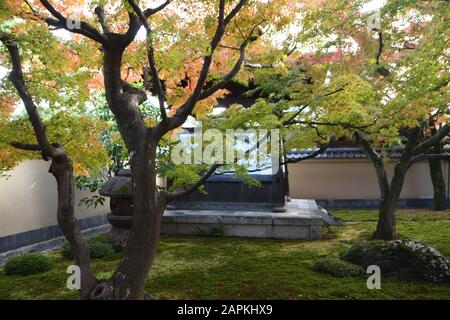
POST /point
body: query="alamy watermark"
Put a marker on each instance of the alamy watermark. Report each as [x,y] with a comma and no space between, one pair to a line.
[252,147]
[374,20]
[73,24]
[374,281]
[74,280]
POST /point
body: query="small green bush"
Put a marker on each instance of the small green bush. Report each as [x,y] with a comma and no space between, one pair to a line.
[118,247]
[28,263]
[337,268]
[97,249]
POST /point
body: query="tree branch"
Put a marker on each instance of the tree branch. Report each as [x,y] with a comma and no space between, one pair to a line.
[173,195]
[61,21]
[100,13]
[151,11]
[151,59]
[232,73]
[380,47]
[186,109]
[258,65]
[291,119]
[336,124]
[377,161]
[422,157]
[16,77]
[234,11]
[226,78]
[431,141]
[25,146]
[202,180]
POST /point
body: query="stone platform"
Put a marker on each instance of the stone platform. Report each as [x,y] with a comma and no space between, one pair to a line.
[302,220]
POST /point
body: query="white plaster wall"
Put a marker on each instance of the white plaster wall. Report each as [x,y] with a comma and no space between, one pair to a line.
[354,179]
[28,199]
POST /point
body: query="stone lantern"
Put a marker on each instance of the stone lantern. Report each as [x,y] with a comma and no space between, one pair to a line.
[118,189]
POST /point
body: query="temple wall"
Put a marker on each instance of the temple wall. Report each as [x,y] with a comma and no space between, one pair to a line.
[348,179]
[28,201]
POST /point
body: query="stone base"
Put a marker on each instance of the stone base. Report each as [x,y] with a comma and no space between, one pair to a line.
[118,235]
[302,220]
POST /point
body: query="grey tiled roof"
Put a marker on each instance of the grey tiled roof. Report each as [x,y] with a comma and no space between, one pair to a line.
[345,153]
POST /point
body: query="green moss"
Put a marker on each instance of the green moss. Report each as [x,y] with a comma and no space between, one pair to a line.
[190,267]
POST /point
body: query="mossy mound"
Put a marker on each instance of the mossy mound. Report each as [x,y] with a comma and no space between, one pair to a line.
[405,259]
[337,268]
[27,263]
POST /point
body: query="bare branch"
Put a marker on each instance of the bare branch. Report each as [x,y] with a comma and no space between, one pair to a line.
[151,59]
[234,11]
[377,161]
[380,46]
[151,11]
[362,128]
[100,13]
[226,78]
[25,146]
[61,21]
[431,141]
[186,109]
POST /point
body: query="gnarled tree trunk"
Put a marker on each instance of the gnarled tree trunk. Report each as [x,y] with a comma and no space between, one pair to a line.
[387,227]
[141,141]
[62,170]
[416,149]
[129,279]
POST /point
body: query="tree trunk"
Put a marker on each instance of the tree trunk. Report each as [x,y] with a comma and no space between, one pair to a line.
[129,279]
[61,168]
[386,226]
[437,178]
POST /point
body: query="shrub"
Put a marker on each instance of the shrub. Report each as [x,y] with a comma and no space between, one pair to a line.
[28,263]
[337,268]
[118,246]
[97,249]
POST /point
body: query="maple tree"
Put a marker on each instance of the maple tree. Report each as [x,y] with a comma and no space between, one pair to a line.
[396,82]
[191,51]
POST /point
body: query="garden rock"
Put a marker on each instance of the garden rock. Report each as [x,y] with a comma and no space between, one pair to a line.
[405,259]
